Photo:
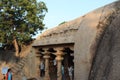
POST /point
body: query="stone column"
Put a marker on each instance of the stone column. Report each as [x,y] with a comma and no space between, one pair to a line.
[59,59]
[46,57]
[38,55]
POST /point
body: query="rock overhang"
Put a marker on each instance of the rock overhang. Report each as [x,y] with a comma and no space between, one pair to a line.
[62,34]
[66,33]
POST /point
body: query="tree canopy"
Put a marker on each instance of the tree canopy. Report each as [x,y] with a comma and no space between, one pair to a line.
[20,20]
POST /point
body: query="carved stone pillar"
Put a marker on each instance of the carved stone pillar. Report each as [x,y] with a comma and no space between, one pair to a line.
[37,60]
[46,57]
[59,59]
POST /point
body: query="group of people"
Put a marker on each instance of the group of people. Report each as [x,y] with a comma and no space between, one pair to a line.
[8,75]
[70,70]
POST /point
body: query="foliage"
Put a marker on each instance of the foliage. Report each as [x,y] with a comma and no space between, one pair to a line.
[62,22]
[20,20]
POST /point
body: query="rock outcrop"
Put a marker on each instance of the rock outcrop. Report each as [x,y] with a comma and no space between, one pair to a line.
[106,63]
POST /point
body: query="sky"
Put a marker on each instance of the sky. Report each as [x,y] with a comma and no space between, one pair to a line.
[66,10]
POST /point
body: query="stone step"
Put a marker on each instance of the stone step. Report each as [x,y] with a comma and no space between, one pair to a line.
[24,59]
[15,69]
[16,72]
[18,68]
[21,64]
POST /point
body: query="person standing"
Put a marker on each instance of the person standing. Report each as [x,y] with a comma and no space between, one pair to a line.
[42,68]
[70,70]
[63,75]
[9,75]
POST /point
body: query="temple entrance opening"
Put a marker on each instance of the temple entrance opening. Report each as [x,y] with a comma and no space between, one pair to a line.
[56,63]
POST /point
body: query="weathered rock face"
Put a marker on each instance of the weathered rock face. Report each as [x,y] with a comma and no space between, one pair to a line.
[87,38]
[22,66]
[106,65]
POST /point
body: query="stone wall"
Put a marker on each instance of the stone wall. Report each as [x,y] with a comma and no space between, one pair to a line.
[106,64]
[87,39]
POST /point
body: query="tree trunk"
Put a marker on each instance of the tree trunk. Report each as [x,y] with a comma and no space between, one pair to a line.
[16,47]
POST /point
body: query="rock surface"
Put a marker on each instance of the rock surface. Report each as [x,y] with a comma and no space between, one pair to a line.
[106,65]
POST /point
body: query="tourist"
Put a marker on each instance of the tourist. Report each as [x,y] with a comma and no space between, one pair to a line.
[42,69]
[54,62]
[9,75]
[63,76]
[70,70]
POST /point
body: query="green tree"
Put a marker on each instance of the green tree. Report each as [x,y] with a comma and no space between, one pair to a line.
[20,20]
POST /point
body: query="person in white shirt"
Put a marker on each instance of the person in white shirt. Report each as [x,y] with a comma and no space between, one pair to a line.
[54,62]
[70,70]
[42,68]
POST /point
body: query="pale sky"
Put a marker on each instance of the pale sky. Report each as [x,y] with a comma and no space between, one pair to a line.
[66,10]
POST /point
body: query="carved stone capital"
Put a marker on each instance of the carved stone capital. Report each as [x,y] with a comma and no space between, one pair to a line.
[72,48]
[59,58]
[46,56]
[59,54]
[38,54]
[46,52]
[59,51]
